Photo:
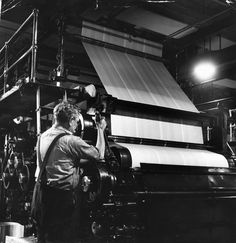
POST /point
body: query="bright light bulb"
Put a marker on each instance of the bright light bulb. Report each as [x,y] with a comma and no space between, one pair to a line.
[204,70]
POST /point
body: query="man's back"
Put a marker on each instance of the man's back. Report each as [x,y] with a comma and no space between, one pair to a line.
[63,162]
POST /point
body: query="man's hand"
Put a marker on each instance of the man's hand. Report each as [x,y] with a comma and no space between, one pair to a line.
[102,123]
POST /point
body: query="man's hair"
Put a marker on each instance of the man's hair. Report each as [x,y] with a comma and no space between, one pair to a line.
[64,112]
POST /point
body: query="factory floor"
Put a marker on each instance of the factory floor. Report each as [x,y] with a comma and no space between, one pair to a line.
[30,239]
[11,239]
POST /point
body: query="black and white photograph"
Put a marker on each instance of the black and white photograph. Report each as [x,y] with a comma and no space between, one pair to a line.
[117,121]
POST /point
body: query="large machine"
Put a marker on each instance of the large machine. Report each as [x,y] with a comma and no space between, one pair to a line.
[162,179]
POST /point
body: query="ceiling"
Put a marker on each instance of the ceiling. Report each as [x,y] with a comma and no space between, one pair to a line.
[187,29]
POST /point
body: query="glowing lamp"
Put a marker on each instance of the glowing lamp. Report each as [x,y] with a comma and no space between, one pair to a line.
[204,71]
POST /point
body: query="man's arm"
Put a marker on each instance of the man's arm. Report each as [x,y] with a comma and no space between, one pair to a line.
[100,145]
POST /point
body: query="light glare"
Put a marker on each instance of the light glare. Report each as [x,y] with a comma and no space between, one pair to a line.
[204,70]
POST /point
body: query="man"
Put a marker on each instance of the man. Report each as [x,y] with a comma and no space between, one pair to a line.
[62,172]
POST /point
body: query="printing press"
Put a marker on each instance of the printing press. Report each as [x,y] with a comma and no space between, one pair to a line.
[162,179]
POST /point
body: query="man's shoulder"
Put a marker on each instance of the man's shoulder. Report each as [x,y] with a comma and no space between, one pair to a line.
[68,138]
[51,131]
[54,131]
[72,138]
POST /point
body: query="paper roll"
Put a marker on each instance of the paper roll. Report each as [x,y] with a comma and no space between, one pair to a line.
[173,156]
[11,229]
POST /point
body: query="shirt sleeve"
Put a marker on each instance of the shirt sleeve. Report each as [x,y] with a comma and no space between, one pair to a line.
[80,149]
[37,161]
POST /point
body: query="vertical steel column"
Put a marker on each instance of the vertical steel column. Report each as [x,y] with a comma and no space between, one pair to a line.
[5,77]
[60,71]
[38,111]
[34,46]
[33,69]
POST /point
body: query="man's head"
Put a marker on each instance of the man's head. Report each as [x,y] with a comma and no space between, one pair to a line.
[66,115]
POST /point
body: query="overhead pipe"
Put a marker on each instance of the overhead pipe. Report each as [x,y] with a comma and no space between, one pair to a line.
[199,24]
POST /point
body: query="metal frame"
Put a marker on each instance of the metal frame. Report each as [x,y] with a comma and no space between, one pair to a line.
[33,51]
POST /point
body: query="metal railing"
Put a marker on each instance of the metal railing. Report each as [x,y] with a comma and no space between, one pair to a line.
[32,50]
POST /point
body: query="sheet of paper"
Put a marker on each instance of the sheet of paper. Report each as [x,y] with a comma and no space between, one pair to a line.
[137,79]
[153,129]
